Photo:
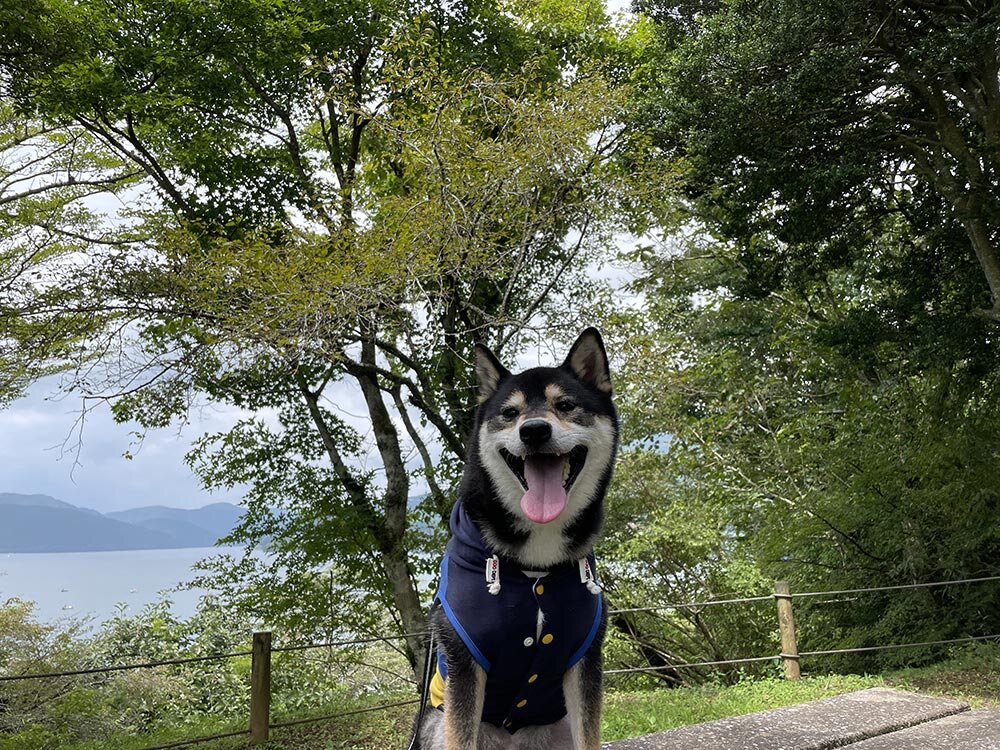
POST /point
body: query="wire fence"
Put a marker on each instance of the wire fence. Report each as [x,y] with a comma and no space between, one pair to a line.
[124,667]
[623,610]
[685,665]
[789,655]
[899,587]
[893,646]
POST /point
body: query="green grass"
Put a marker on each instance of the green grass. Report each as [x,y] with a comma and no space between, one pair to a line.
[971,675]
[631,714]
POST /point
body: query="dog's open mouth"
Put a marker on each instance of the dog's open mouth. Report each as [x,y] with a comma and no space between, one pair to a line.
[546,478]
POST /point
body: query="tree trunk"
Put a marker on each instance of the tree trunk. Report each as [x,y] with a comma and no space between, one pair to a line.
[978,234]
[397,487]
[387,529]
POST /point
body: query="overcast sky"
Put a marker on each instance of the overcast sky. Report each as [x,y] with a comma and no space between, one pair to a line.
[45,453]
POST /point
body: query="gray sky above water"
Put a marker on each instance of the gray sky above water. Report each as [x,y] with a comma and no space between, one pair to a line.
[44,452]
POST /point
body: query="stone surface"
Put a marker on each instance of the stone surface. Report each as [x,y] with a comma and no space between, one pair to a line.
[832,722]
[973,730]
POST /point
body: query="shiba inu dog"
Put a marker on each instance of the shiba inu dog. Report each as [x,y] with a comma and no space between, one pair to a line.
[519,617]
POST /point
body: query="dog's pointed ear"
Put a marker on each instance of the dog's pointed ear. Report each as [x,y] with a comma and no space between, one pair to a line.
[489,372]
[588,360]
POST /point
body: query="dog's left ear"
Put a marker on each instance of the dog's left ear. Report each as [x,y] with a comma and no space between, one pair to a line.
[588,360]
[489,372]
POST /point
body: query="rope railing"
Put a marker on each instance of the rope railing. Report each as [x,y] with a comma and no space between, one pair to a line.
[693,605]
[421,634]
[199,740]
[209,657]
[283,724]
[627,670]
[900,587]
[718,663]
[342,714]
[352,642]
[123,667]
[891,646]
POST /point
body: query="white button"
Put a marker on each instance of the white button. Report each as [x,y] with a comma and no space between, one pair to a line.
[529,642]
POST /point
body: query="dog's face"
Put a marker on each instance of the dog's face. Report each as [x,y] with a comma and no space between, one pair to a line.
[547,436]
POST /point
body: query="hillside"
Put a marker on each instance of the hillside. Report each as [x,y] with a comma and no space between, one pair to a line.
[25,528]
[40,523]
[13,498]
[215,520]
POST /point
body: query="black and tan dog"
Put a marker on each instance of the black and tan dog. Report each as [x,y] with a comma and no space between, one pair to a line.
[519,618]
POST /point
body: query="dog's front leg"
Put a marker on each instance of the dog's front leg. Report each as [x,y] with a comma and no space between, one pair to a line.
[464,693]
[582,689]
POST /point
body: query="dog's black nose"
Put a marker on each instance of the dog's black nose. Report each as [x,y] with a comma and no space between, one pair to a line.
[535,432]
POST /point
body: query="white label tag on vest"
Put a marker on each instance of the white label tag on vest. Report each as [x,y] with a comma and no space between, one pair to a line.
[493,574]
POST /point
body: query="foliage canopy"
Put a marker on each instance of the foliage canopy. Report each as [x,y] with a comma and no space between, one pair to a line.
[337,200]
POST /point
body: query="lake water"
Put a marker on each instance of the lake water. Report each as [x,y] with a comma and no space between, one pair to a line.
[78,584]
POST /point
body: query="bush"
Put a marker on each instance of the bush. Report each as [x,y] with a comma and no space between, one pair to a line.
[51,713]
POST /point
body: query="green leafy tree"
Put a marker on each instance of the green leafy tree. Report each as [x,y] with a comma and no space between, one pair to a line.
[806,131]
[668,540]
[168,701]
[822,337]
[29,646]
[343,198]
[801,461]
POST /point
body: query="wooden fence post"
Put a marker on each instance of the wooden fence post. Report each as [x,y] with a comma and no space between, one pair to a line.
[786,624]
[260,688]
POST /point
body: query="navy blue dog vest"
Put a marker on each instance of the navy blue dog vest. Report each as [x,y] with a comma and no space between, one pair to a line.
[493,606]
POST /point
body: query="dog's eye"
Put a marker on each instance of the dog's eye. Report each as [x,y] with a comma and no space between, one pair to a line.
[509,413]
[565,406]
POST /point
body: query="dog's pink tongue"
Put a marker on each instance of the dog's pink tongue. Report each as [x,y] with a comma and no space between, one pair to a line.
[546,497]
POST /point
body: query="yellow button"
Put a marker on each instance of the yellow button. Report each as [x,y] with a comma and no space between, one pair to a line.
[539,589]
[533,678]
[547,638]
[522,704]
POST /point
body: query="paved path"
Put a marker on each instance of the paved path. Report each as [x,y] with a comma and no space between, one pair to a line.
[972,730]
[875,719]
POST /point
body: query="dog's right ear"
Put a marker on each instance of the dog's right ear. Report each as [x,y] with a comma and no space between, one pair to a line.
[489,372]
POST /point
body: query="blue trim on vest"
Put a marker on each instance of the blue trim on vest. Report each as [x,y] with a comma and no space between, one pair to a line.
[590,636]
[453,619]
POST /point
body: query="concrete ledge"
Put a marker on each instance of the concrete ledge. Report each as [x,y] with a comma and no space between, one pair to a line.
[828,723]
[973,730]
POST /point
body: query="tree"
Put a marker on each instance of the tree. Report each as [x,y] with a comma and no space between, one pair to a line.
[671,540]
[831,340]
[805,462]
[350,202]
[806,131]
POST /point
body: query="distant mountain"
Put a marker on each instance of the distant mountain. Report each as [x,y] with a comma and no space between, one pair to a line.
[39,523]
[12,498]
[39,501]
[25,528]
[215,520]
